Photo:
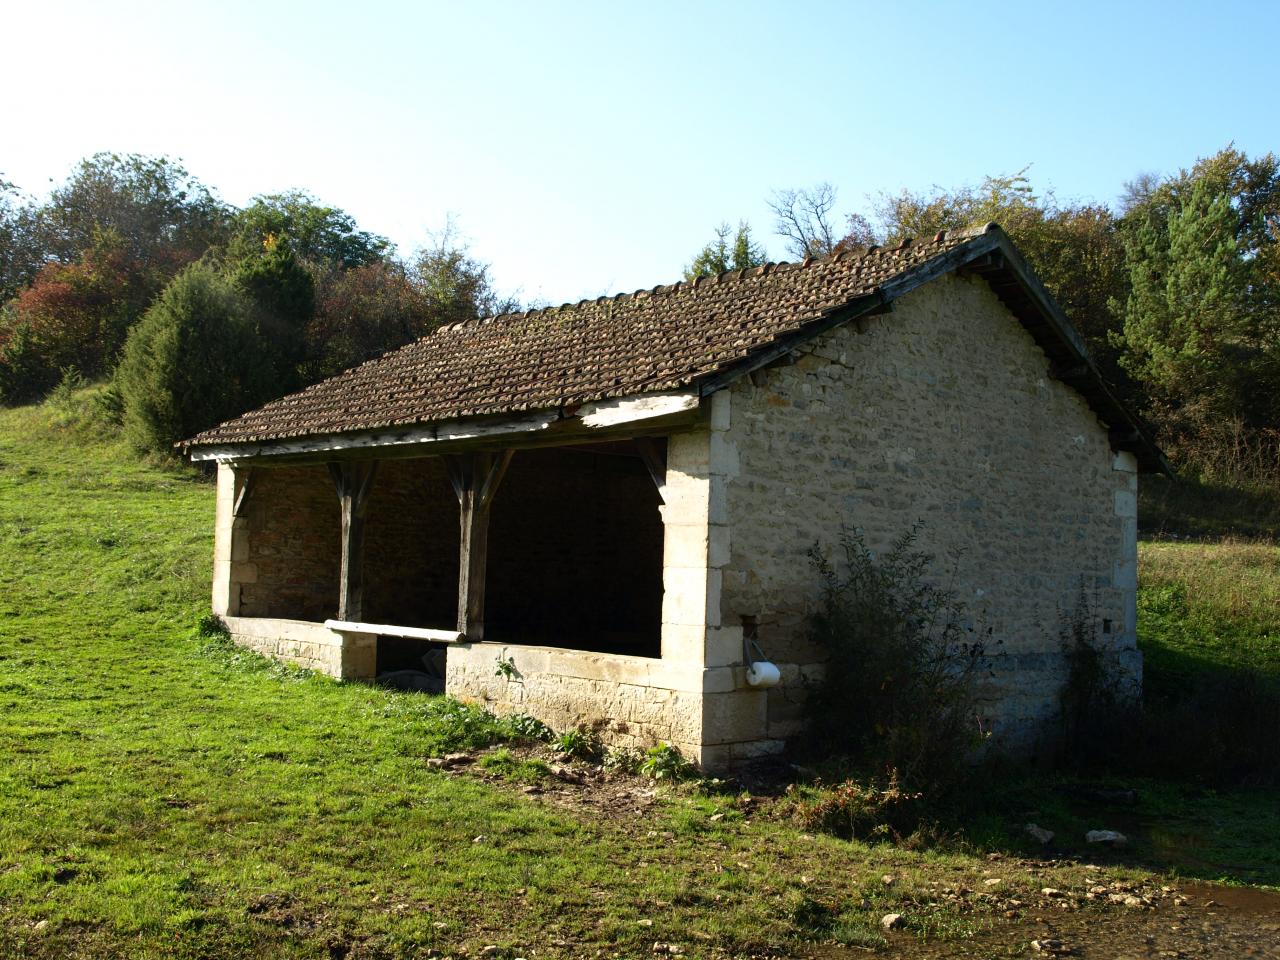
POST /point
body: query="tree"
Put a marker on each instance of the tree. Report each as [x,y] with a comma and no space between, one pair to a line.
[73,315]
[364,311]
[1200,328]
[194,360]
[315,232]
[161,213]
[19,254]
[285,295]
[728,251]
[804,219]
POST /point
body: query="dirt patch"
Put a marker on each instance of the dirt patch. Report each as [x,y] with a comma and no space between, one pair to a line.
[1093,915]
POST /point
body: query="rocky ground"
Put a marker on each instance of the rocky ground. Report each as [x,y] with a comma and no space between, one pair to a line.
[1021,907]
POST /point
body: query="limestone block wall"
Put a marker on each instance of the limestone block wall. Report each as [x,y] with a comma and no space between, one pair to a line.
[630,701]
[308,645]
[941,412]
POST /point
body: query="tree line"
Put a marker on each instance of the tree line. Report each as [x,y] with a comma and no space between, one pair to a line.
[135,272]
[1175,288]
[195,310]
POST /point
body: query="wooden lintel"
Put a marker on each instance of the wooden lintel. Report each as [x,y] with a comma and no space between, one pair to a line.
[657,468]
[244,479]
[352,480]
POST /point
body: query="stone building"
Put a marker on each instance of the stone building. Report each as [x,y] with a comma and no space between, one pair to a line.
[584,512]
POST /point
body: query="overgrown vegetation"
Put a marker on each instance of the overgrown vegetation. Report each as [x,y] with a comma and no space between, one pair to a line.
[1211,702]
[902,656]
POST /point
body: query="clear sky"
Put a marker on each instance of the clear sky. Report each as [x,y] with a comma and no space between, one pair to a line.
[591,148]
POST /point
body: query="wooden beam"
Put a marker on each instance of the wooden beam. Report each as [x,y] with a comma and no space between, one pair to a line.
[352,479]
[1068,371]
[244,478]
[475,478]
[657,468]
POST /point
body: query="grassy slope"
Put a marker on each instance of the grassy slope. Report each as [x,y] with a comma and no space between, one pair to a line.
[1206,607]
[161,798]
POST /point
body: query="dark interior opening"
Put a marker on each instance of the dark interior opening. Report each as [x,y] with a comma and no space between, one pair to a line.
[411,664]
[575,551]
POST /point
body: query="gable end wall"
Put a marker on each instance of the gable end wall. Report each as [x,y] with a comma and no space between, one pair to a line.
[943,412]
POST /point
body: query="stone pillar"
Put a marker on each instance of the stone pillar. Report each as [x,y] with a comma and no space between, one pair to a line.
[691,589]
[231,566]
[226,531]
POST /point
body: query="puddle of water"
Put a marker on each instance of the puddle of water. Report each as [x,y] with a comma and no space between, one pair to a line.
[1244,900]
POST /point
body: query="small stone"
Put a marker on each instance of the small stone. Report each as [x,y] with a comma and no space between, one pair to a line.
[893,921]
[645,922]
[435,763]
[489,950]
[1132,901]
[1049,945]
[887,880]
[1051,892]
[1112,838]
[716,817]
[39,925]
[458,759]
[1038,833]
[992,881]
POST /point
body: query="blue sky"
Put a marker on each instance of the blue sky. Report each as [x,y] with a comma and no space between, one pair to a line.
[593,148]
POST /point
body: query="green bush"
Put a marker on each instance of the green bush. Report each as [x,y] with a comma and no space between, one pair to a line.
[581,743]
[665,762]
[897,696]
[194,360]
[25,374]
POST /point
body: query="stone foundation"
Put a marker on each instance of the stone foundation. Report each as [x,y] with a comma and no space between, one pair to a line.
[312,646]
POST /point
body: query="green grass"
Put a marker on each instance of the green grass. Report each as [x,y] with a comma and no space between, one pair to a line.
[1210,607]
[164,794]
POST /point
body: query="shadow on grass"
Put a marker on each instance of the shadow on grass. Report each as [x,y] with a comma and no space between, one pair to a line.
[1223,835]
[1189,509]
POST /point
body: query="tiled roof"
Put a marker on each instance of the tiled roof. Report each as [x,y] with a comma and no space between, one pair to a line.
[666,338]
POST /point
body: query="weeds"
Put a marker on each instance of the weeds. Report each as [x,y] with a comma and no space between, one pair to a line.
[581,743]
[665,762]
[902,656]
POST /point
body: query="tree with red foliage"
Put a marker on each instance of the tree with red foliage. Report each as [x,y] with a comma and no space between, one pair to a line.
[74,315]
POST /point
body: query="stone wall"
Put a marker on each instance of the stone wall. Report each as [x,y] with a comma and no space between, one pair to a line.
[286,548]
[940,412]
[630,701]
[308,645]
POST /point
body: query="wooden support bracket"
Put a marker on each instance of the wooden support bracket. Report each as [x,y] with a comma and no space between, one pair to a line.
[352,480]
[245,485]
[655,464]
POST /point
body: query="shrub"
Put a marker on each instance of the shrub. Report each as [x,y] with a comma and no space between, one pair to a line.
[194,360]
[897,695]
[665,762]
[851,809]
[525,727]
[581,744]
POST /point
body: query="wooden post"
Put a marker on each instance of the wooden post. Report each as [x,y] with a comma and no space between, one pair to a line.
[475,479]
[352,480]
